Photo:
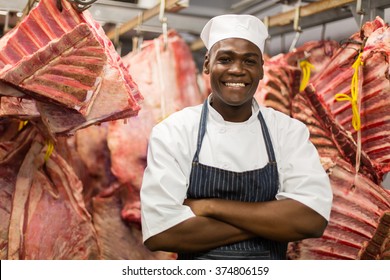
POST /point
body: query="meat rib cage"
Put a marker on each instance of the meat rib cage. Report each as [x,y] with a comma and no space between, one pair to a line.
[65,59]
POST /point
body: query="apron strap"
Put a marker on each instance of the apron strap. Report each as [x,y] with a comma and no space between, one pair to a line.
[267,139]
[201,130]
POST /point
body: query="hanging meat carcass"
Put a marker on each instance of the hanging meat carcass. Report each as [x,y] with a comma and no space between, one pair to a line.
[87,152]
[283,73]
[168,82]
[359,225]
[279,85]
[43,215]
[64,61]
[373,91]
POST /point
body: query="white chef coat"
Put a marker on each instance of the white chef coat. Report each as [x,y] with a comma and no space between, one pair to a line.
[232,146]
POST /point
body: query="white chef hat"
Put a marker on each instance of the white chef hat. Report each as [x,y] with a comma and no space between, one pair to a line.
[234,26]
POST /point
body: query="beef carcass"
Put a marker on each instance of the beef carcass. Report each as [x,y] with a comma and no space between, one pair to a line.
[169,84]
[279,85]
[168,80]
[128,145]
[19,108]
[43,214]
[317,53]
[320,135]
[359,224]
[344,142]
[117,238]
[64,58]
[283,75]
[374,93]
[88,154]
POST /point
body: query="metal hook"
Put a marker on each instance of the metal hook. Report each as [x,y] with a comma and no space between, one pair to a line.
[162,10]
[6,23]
[297,27]
[266,45]
[323,30]
[59,5]
[165,32]
[80,5]
[360,11]
[164,22]
[137,40]
[29,7]
[117,42]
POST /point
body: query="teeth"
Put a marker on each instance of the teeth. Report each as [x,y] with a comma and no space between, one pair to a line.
[235,84]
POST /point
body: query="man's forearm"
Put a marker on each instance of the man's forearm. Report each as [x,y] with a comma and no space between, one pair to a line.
[196,234]
[280,220]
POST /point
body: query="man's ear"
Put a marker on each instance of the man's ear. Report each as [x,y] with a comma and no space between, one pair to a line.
[262,68]
[206,64]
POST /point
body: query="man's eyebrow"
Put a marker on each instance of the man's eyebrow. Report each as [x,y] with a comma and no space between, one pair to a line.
[229,52]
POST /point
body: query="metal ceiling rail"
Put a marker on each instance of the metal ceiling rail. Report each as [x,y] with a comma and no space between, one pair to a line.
[170,6]
[282,22]
[306,10]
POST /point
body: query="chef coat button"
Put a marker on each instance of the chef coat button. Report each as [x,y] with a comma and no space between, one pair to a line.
[225,165]
[222,130]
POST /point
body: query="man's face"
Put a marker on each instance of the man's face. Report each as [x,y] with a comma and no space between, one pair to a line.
[235,67]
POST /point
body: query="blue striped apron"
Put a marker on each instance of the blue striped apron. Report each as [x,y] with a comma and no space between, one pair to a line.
[249,186]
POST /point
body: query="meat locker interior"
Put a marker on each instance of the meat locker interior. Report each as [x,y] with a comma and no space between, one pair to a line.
[84,154]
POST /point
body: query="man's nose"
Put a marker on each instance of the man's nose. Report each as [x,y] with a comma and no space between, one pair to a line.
[236,67]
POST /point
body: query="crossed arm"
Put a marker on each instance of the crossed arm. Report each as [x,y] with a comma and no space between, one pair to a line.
[219,222]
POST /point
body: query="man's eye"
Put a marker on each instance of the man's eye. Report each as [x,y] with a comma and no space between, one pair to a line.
[224,60]
[251,61]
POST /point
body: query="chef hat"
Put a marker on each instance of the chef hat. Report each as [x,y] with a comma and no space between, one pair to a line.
[234,26]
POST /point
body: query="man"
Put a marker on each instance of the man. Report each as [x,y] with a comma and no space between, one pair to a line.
[230,179]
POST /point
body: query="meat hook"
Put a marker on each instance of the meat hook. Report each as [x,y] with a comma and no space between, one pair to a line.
[163,20]
[297,27]
[59,5]
[82,5]
[79,5]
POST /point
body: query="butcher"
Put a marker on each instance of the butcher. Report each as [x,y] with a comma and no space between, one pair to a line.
[229,179]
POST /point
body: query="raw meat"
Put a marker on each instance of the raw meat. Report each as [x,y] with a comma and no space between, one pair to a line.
[374,91]
[317,53]
[168,80]
[283,75]
[44,215]
[279,85]
[117,239]
[168,83]
[360,208]
[65,60]
[345,144]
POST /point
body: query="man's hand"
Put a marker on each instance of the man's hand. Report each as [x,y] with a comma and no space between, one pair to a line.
[198,206]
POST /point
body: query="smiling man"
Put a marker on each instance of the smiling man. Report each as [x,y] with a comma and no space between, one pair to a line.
[230,179]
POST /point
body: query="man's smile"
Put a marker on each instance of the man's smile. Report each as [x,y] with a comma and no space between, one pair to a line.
[235,85]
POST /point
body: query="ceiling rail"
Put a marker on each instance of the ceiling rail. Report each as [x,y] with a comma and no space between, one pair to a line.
[306,10]
[170,6]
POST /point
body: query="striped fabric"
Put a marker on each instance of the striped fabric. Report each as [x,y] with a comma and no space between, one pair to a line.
[249,186]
